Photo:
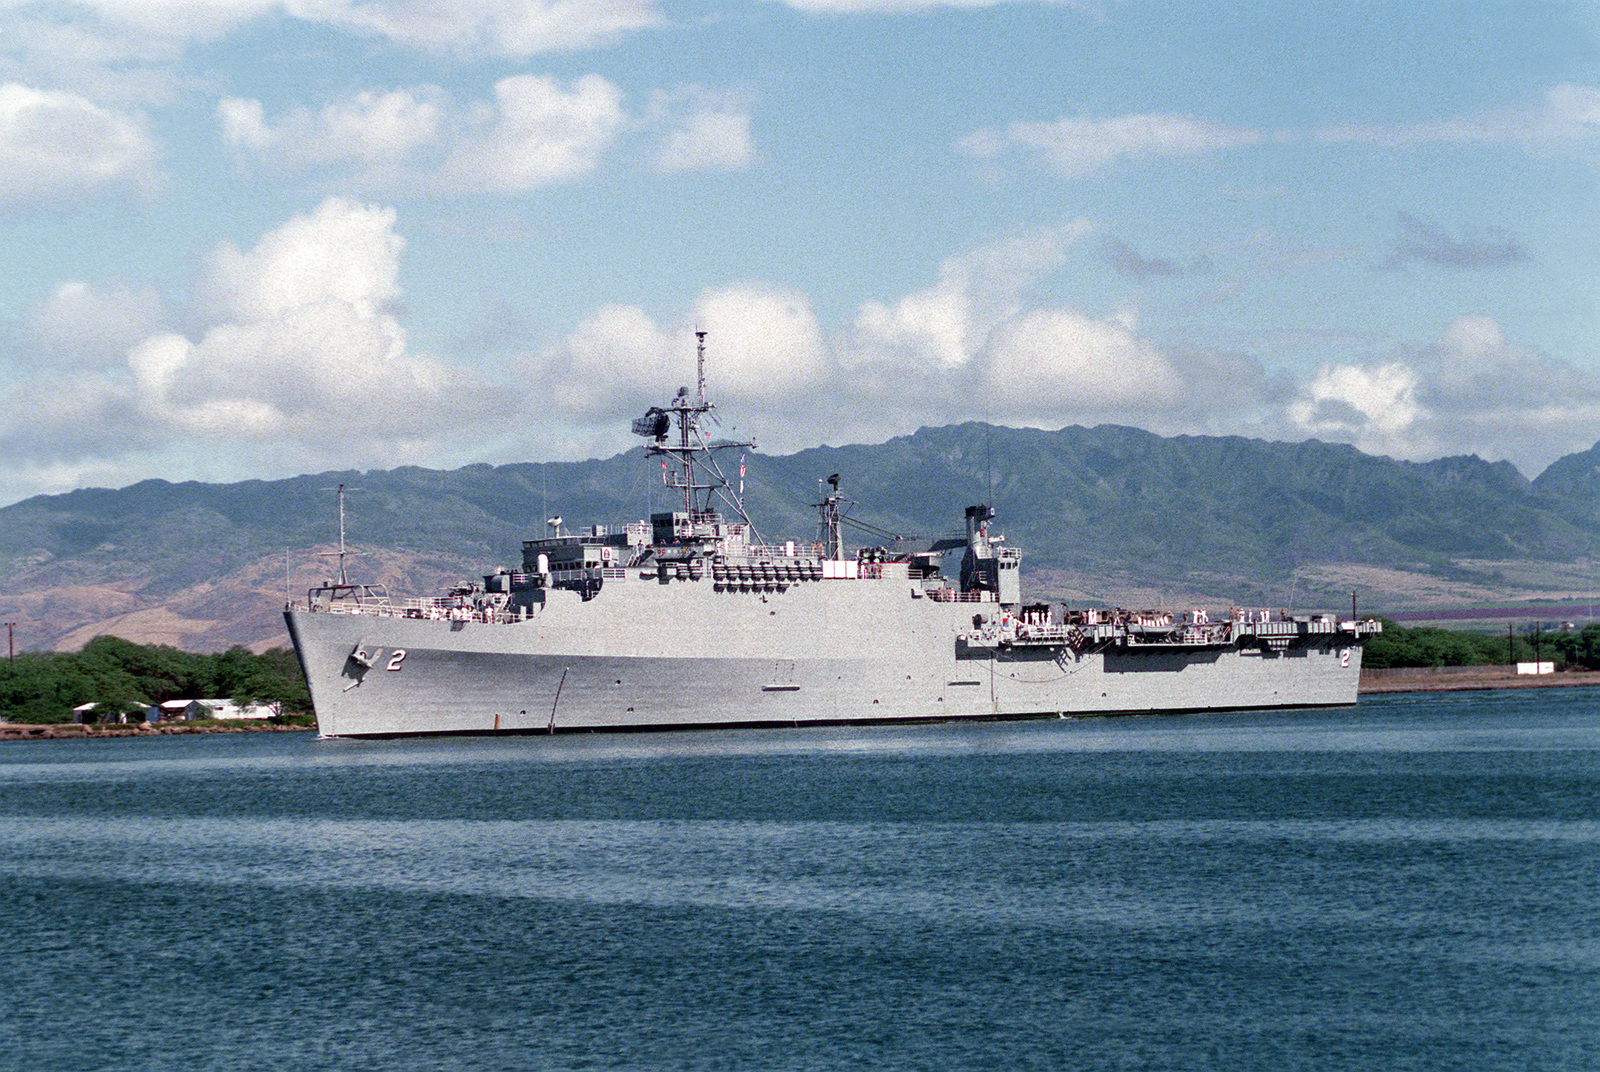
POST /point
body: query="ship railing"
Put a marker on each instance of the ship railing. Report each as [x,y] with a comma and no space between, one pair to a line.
[1256,615]
[1183,636]
[955,595]
[380,610]
[1025,635]
[1045,635]
[1272,628]
[435,610]
[425,608]
[787,552]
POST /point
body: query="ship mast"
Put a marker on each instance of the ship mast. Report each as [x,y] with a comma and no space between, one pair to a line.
[341,554]
[828,533]
[689,428]
[700,365]
[690,464]
[344,588]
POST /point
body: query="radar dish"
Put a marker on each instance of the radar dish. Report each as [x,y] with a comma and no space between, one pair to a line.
[655,424]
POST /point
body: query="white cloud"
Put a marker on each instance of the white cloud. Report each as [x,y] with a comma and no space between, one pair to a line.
[1473,339]
[1471,392]
[145,29]
[1373,406]
[298,359]
[302,344]
[975,345]
[112,66]
[68,402]
[55,146]
[1079,147]
[131,52]
[978,290]
[856,7]
[81,327]
[58,421]
[509,28]
[374,128]
[714,135]
[344,253]
[770,344]
[1565,115]
[1057,365]
[1492,397]
[617,361]
[195,20]
[536,133]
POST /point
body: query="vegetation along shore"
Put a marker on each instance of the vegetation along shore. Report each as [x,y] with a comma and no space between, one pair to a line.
[123,681]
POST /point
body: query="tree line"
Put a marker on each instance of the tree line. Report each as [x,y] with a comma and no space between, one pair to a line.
[123,677]
[1427,645]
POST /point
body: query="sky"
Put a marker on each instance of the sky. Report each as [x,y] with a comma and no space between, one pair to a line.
[254,238]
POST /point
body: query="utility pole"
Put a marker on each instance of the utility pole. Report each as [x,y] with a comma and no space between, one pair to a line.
[11,641]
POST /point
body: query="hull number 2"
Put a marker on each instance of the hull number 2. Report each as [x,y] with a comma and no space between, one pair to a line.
[396,659]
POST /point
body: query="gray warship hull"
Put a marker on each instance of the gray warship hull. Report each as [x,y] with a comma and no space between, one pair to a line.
[651,652]
[690,619]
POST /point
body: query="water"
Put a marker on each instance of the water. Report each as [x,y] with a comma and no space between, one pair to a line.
[1414,884]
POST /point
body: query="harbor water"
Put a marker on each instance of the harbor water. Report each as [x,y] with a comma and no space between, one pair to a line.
[1413,883]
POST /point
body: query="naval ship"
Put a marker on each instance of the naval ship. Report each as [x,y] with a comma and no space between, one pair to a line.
[691,619]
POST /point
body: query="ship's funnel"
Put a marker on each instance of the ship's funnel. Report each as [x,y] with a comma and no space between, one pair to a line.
[978,518]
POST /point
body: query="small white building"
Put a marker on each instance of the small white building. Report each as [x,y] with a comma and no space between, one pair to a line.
[87,713]
[189,710]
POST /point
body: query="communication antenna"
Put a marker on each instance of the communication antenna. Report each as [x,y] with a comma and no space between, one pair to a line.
[988,462]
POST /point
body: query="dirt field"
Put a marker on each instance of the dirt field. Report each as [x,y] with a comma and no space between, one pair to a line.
[1488,677]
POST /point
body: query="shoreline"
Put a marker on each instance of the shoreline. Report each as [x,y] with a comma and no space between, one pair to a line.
[58,731]
[1419,679]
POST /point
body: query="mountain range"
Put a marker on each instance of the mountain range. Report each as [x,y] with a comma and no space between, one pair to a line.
[1106,514]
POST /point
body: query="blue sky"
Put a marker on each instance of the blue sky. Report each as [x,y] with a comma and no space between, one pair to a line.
[250,238]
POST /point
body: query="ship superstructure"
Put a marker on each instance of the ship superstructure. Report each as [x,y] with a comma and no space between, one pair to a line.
[692,619]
